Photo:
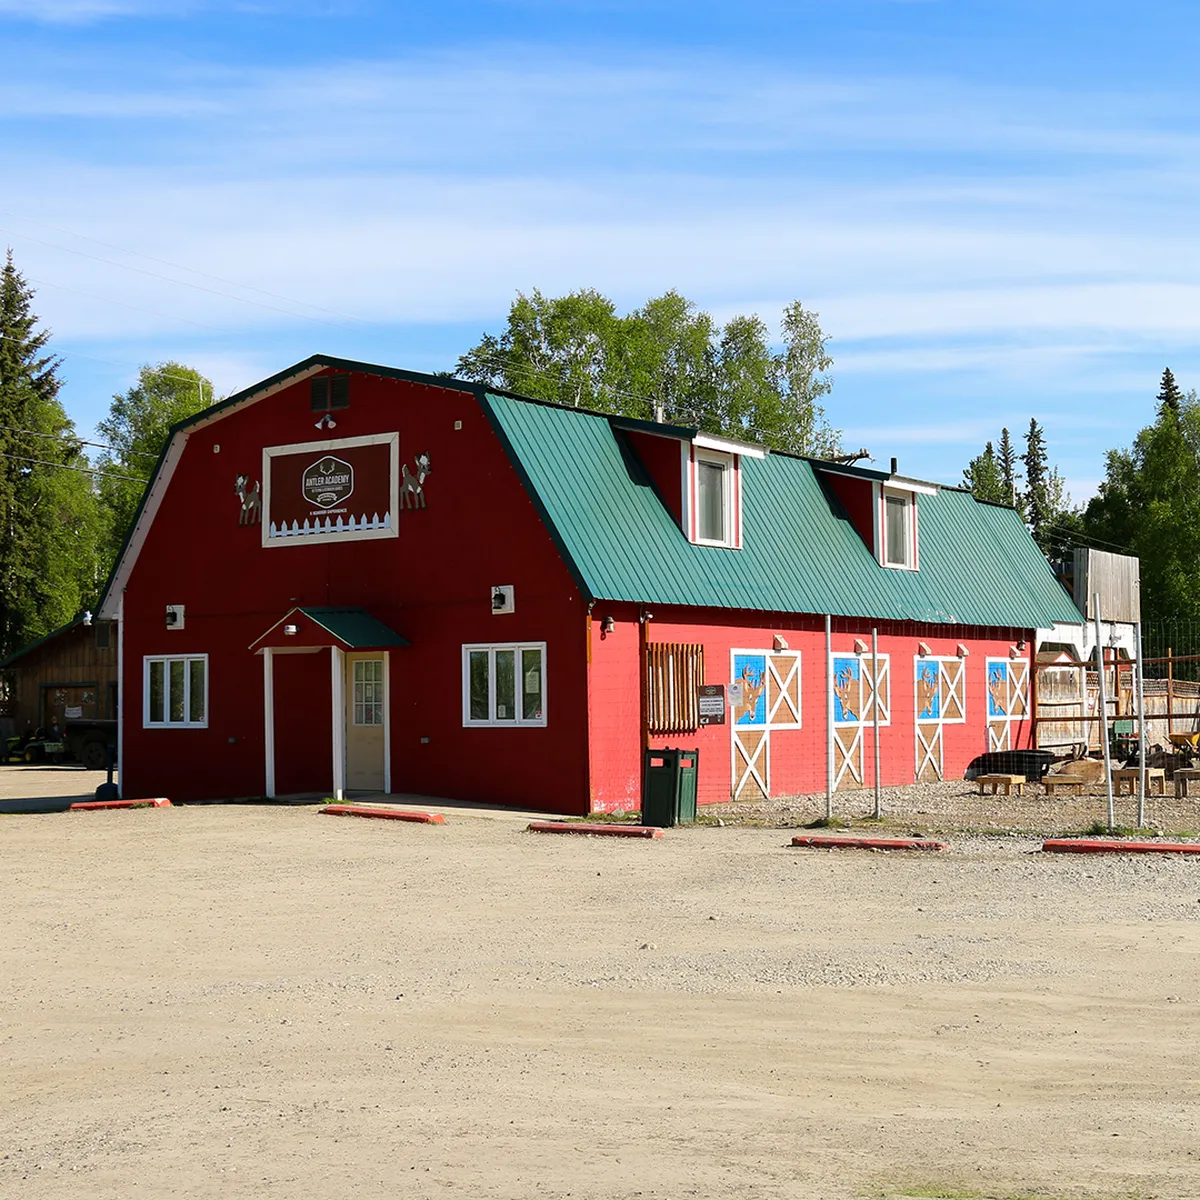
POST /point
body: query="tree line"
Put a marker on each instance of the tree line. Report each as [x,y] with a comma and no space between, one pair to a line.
[63,517]
[65,513]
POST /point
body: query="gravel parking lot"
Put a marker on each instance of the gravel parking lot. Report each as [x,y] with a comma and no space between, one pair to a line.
[257,1001]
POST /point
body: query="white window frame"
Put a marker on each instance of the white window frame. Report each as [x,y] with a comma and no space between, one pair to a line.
[519,720]
[731,463]
[356,704]
[912,558]
[166,660]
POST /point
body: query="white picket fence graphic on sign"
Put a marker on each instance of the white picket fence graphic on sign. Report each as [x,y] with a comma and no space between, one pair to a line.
[330,525]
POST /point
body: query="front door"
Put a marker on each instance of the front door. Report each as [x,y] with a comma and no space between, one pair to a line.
[366,714]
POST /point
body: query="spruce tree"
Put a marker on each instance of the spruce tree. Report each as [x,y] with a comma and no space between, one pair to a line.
[47,505]
[1037,481]
[983,477]
[1169,396]
[1006,460]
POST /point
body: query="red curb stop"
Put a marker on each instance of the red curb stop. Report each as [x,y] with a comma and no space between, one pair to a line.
[387,814]
[1116,846]
[95,805]
[843,842]
[633,831]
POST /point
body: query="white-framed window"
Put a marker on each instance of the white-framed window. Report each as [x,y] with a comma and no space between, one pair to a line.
[175,691]
[368,691]
[898,529]
[715,499]
[504,684]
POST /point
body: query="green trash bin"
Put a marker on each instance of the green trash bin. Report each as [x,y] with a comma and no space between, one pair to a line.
[669,787]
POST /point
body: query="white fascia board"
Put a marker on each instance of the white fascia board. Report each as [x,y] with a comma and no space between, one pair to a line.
[706,441]
[903,484]
[108,610]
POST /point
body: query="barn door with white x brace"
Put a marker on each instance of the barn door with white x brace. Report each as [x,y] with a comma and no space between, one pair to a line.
[941,699]
[857,695]
[767,684]
[1007,699]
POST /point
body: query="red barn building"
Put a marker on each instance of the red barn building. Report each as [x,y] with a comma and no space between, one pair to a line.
[350,577]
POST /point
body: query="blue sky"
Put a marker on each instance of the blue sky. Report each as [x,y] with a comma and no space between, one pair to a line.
[990,203]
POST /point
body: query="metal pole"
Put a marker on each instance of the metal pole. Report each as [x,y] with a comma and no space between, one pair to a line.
[1141,715]
[1112,820]
[829,715]
[875,714]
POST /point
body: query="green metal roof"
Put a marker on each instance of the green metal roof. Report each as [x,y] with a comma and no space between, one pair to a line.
[355,627]
[978,564]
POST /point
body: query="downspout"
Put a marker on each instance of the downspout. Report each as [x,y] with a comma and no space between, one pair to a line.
[828,715]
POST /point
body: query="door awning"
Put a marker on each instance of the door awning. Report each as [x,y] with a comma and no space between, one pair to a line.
[309,628]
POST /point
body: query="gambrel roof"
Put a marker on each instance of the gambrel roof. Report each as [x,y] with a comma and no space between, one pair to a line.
[800,552]
[978,566]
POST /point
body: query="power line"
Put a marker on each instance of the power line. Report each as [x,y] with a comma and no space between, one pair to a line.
[64,438]
[180,267]
[123,365]
[41,462]
[167,278]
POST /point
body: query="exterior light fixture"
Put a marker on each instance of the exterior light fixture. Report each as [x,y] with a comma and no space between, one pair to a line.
[291,630]
[326,422]
[1015,651]
[607,626]
[87,617]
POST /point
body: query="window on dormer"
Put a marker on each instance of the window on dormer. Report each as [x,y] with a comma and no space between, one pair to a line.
[899,530]
[715,498]
[713,501]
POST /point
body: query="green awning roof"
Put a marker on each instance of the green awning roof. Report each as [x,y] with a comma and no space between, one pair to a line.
[355,627]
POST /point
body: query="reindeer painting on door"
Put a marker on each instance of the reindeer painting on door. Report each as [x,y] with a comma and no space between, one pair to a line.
[940,700]
[770,701]
[856,693]
[1007,699]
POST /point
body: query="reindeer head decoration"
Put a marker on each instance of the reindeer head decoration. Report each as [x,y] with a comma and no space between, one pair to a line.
[844,688]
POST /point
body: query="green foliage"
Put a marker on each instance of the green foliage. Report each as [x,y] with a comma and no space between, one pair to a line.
[1006,459]
[1043,502]
[48,516]
[982,476]
[136,428]
[665,360]
[1149,505]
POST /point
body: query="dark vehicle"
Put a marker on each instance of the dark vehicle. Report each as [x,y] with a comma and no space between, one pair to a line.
[90,742]
[1033,764]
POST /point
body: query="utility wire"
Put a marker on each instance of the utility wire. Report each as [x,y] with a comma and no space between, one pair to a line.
[123,365]
[167,278]
[64,438]
[180,267]
[41,462]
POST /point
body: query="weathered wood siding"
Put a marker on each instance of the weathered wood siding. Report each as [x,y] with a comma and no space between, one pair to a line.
[69,671]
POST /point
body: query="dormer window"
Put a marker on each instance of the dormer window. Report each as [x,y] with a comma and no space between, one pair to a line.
[897,543]
[898,530]
[714,495]
[712,473]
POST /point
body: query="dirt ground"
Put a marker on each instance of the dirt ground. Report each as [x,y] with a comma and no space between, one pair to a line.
[235,1001]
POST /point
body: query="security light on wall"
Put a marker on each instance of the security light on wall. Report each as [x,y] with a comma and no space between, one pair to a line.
[503,600]
[174,616]
[291,630]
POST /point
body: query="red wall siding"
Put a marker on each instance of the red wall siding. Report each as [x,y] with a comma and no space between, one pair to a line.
[798,756]
[431,584]
[664,464]
[857,497]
